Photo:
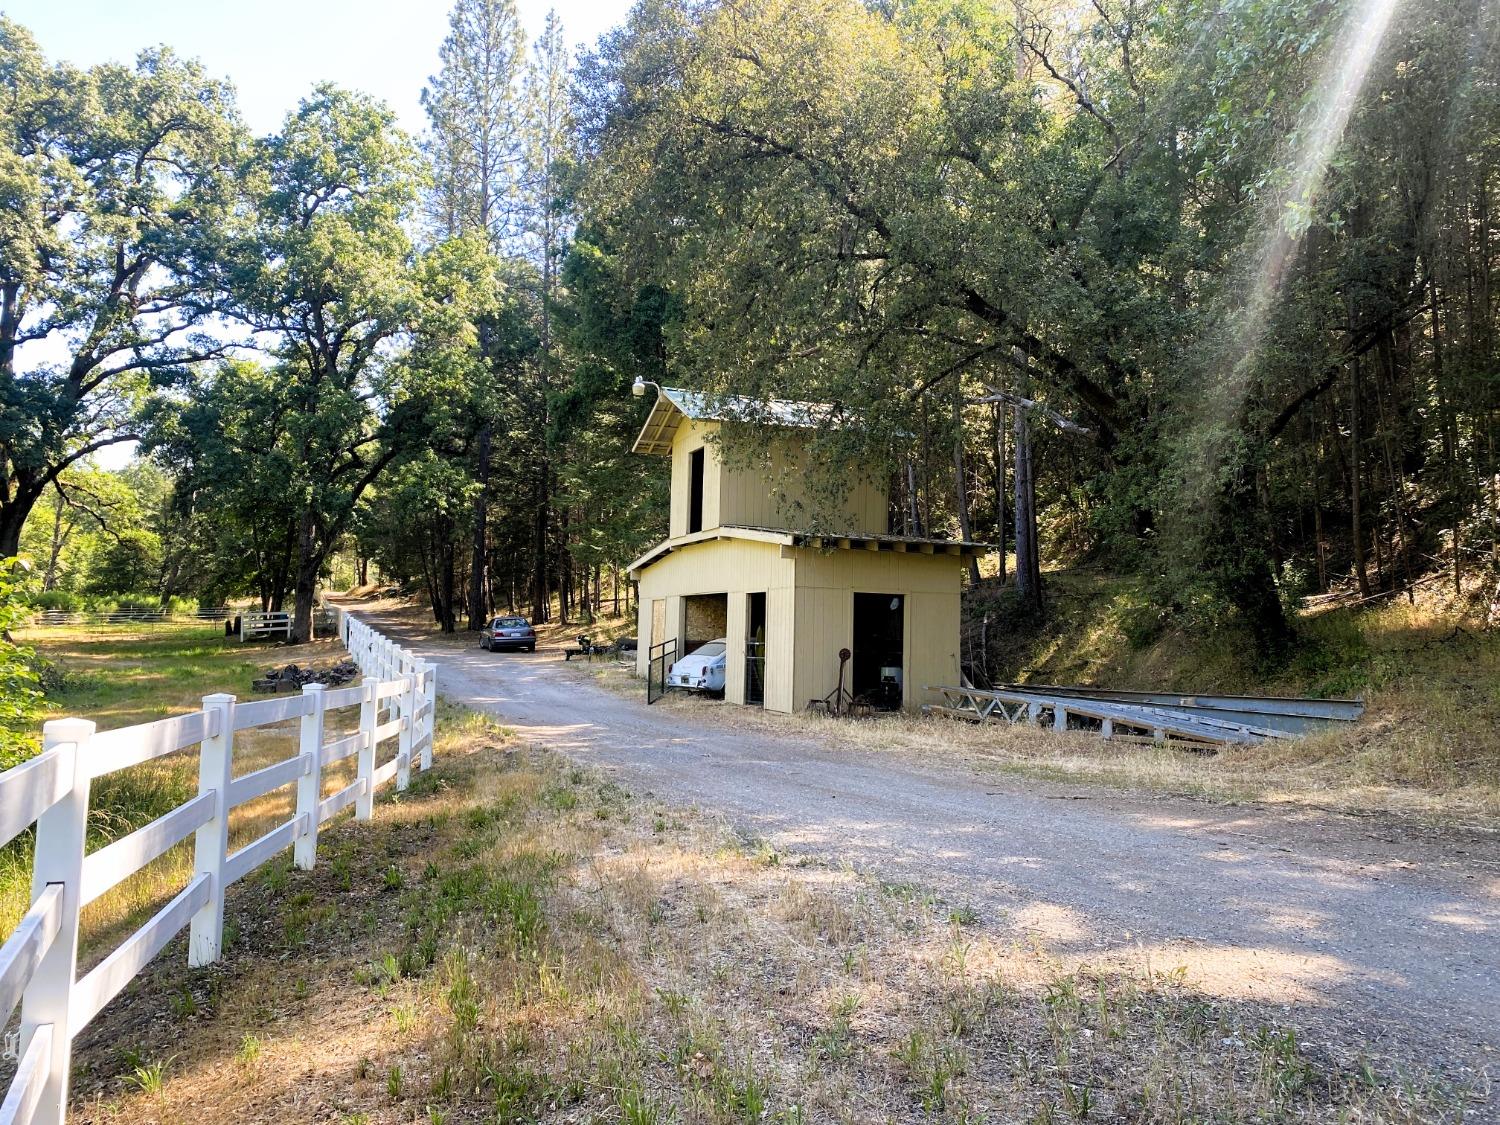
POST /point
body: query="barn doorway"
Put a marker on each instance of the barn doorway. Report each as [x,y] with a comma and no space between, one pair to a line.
[755,650]
[879,666]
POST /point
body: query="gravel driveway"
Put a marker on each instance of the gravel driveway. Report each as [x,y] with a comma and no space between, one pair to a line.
[1360,932]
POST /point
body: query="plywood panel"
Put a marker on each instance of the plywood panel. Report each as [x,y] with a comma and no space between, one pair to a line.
[705,618]
[826,583]
[880,571]
[781,609]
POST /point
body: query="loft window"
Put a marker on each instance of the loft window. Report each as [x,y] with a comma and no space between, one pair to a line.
[695,490]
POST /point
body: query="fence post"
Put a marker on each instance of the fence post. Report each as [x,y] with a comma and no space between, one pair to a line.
[60,840]
[211,845]
[408,699]
[310,784]
[429,721]
[369,714]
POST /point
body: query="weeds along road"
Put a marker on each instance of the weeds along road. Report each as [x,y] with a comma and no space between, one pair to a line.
[1361,937]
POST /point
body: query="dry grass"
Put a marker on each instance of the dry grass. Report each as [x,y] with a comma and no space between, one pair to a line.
[518,940]
[1406,758]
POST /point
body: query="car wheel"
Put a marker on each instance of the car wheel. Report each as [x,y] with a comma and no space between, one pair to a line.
[484,644]
[531,648]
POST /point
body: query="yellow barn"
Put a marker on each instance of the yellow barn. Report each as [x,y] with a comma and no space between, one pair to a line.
[788,600]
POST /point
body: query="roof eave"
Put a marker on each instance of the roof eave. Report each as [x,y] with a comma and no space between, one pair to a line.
[659,441]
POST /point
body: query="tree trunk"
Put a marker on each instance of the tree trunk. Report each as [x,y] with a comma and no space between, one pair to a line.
[960,479]
[540,611]
[1361,571]
[1235,555]
[477,571]
[1028,559]
[305,588]
[13,515]
[1001,458]
[913,524]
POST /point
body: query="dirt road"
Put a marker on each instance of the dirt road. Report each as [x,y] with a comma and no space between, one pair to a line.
[1361,934]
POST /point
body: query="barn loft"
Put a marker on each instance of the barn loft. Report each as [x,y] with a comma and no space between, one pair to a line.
[788,599]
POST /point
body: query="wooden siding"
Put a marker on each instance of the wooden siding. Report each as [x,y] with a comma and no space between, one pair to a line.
[826,582]
[809,611]
[692,436]
[769,490]
[737,568]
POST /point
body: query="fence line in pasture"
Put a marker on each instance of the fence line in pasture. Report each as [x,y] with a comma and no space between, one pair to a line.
[397,698]
[130,616]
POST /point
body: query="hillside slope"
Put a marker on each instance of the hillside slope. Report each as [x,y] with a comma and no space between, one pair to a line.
[1428,670]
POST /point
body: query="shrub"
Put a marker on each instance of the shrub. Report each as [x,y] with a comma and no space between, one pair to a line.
[65,600]
[20,691]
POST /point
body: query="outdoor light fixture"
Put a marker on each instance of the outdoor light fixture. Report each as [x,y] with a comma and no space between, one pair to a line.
[638,388]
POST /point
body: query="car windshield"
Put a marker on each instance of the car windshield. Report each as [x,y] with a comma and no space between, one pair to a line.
[713,648]
[510,622]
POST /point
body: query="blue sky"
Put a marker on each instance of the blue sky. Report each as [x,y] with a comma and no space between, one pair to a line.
[275,50]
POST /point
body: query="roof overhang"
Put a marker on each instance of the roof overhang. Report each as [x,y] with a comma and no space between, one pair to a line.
[899,544]
[896,544]
[656,435]
[753,534]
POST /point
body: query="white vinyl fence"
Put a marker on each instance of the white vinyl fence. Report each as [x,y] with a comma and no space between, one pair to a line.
[397,699]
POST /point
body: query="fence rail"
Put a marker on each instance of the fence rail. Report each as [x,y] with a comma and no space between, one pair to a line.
[129,616]
[39,961]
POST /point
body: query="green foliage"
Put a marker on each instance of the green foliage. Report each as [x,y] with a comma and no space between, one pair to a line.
[117,182]
[20,683]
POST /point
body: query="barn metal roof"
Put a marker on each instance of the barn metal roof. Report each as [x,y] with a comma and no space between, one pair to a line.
[673,405]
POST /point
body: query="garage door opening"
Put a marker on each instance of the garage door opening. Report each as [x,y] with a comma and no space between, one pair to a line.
[879,649]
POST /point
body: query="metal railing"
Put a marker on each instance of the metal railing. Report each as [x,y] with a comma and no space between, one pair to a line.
[659,663]
[38,962]
[129,616]
[755,672]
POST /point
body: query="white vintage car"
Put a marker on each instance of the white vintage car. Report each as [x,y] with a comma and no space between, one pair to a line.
[702,669]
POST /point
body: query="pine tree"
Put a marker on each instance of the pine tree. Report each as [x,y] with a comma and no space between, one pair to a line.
[475,146]
[475,142]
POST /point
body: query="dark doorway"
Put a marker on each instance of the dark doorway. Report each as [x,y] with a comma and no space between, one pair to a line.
[879,649]
[755,650]
[695,491]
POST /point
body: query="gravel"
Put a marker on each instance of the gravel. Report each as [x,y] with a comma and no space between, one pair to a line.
[1369,935]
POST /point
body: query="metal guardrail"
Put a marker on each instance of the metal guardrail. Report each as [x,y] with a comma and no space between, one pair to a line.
[1292,714]
[1212,720]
